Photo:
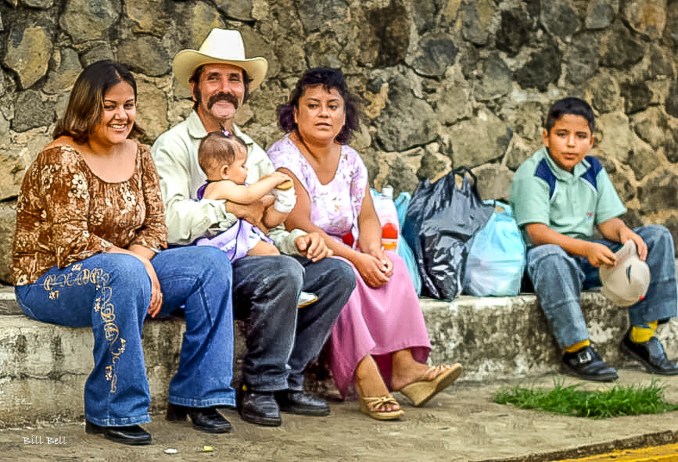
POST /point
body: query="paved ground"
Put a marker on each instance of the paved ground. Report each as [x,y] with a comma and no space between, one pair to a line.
[462,424]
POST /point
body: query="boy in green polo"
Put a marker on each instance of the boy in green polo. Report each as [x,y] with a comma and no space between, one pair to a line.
[558,195]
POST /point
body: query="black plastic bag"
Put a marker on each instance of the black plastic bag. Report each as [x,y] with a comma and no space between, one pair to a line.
[441,219]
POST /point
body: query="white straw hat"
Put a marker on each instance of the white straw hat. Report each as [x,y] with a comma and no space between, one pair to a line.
[220,47]
[626,282]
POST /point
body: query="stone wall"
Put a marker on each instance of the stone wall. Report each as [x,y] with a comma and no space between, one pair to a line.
[442,83]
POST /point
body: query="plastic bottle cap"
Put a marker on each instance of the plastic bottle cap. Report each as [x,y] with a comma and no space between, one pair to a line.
[389,231]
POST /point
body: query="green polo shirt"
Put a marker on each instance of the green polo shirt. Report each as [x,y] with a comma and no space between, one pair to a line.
[569,203]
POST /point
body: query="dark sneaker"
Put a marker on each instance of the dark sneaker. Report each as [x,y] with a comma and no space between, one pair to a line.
[299,402]
[650,354]
[588,365]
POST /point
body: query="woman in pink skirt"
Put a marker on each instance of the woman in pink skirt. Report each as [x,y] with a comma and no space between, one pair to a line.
[379,342]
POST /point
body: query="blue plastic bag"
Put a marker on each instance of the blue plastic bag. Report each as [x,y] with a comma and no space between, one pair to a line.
[496,261]
[401,203]
[404,250]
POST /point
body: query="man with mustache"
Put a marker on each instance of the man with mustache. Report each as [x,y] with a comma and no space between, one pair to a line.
[281,340]
[220,96]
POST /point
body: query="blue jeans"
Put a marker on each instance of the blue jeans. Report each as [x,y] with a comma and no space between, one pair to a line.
[559,278]
[111,293]
[281,339]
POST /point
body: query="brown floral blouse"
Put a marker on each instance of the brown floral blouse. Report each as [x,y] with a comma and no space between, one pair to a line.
[65,213]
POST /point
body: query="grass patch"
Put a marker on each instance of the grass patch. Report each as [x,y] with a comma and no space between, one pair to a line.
[616,401]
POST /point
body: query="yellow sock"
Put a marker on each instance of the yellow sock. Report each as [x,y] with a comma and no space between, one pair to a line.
[642,334]
[578,346]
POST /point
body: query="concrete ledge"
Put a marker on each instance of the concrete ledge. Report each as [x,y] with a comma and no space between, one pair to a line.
[508,338]
[43,367]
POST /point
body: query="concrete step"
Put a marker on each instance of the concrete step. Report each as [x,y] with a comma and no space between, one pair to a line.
[508,337]
[43,367]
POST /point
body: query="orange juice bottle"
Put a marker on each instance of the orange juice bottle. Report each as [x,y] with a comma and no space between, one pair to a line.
[388,216]
[389,237]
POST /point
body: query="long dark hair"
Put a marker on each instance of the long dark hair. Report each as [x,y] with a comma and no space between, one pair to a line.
[86,103]
[329,78]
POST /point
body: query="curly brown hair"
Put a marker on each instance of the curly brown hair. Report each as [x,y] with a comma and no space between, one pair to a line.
[329,78]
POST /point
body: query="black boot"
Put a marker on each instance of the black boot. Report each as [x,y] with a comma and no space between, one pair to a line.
[205,419]
[259,408]
[133,435]
[298,402]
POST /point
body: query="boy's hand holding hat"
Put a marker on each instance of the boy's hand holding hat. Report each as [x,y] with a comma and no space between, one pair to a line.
[626,283]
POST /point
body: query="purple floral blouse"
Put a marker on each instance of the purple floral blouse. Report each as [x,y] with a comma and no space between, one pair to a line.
[335,206]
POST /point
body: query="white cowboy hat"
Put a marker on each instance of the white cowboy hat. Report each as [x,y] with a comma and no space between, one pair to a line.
[220,47]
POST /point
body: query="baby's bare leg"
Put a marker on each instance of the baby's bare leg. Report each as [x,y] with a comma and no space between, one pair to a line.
[263,248]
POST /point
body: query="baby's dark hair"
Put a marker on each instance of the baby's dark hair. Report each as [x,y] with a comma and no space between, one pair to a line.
[218,149]
[573,106]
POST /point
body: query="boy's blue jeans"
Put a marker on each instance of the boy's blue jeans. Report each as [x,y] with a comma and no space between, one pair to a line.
[111,293]
[559,278]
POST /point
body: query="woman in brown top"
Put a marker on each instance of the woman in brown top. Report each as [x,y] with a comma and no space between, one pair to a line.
[90,226]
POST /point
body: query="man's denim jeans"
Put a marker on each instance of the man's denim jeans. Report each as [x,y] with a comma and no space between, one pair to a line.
[111,293]
[559,278]
[281,339]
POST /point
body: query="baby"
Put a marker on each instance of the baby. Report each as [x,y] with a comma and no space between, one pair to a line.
[222,158]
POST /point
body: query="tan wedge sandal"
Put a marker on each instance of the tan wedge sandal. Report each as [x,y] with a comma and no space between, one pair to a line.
[435,380]
[371,406]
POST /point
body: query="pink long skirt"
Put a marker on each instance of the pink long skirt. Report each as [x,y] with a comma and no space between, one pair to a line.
[378,322]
